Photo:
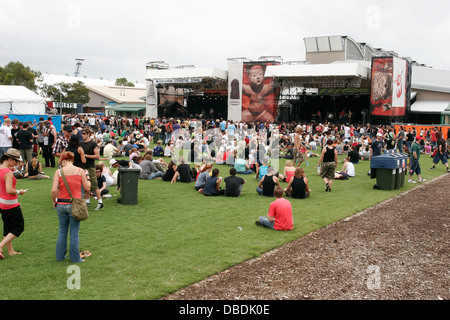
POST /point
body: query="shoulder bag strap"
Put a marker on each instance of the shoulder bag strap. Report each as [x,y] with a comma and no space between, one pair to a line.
[61,171]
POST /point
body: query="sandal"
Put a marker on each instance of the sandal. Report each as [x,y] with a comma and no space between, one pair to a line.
[85,254]
[1,255]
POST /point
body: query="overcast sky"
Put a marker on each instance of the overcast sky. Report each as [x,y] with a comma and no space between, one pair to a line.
[117,38]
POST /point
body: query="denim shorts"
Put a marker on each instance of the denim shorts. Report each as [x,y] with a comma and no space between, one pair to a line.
[414,167]
[440,157]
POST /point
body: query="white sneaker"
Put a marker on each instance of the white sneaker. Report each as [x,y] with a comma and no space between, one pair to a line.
[411,181]
[99,206]
[422,180]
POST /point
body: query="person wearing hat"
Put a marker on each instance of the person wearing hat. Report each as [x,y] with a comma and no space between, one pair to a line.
[414,166]
[377,146]
[13,222]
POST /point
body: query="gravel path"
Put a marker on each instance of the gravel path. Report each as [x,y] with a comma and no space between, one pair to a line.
[396,250]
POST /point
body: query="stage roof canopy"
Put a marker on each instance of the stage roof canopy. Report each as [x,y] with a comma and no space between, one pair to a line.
[338,74]
[187,75]
[195,78]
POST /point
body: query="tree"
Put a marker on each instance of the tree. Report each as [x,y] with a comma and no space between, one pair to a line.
[123,82]
[15,73]
[66,92]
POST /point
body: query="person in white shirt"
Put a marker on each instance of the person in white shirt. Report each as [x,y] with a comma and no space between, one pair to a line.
[348,170]
[111,151]
[5,136]
[347,132]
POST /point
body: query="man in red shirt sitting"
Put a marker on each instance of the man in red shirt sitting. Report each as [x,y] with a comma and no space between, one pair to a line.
[280,214]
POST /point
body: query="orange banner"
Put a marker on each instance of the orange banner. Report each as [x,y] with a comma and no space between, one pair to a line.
[419,127]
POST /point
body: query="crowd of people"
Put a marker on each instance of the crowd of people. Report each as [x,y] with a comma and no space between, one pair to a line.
[184,151]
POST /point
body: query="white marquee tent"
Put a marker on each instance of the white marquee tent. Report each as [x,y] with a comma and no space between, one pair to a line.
[20,100]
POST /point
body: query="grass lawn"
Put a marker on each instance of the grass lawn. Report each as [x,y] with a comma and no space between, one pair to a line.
[172,238]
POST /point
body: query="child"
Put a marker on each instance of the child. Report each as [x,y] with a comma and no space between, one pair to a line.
[101,180]
[427,148]
[158,151]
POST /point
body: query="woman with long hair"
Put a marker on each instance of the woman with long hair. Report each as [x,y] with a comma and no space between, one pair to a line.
[76,178]
[298,185]
[78,153]
[212,186]
[33,169]
[203,176]
[13,222]
[288,171]
[170,172]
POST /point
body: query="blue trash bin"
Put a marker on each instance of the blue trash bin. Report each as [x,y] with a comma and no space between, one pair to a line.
[385,168]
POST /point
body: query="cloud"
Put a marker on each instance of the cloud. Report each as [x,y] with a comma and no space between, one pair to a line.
[117,38]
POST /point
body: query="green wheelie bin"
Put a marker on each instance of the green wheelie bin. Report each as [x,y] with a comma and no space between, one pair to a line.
[128,184]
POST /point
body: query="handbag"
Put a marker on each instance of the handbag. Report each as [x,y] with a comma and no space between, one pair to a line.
[79,207]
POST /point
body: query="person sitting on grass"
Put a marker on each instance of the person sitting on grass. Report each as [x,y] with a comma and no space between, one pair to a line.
[158,150]
[183,172]
[212,187]
[234,184]
[149,170]
[267,184]
[298,185]
[203,177]
[288,172]
[280,214]
[101,181]
[241,165]
[170,172]
[33,169]
[348,170]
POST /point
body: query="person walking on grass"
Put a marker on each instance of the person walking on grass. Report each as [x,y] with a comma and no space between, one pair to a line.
[328,163]
[414,166]
[13,222]
[441,152]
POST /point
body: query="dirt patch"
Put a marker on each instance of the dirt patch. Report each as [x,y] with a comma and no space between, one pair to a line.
[395,250]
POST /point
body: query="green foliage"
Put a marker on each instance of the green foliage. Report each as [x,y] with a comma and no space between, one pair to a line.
[123,82]
[172,238]
[66,92]
[15,73]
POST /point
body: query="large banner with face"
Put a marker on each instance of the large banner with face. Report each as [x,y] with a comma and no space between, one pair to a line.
[389,87]
[259,95]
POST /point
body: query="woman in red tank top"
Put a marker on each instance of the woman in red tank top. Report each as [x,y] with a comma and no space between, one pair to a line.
[76,177]
[13,222]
